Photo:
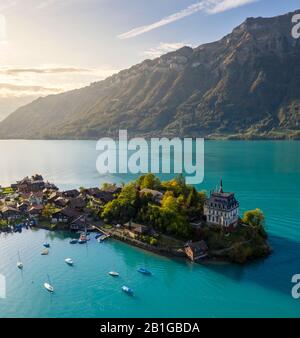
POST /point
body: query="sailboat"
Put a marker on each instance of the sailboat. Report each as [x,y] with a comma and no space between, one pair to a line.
[48,286]
[19,263]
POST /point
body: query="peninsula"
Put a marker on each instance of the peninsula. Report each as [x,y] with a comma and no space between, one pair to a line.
[169,218]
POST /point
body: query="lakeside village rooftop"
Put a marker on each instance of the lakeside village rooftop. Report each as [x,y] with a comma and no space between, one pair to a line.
[30,197]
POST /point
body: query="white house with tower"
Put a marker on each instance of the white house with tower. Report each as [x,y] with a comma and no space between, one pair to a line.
[222,208]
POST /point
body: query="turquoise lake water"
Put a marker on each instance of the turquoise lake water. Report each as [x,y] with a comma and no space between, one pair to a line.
[262,174]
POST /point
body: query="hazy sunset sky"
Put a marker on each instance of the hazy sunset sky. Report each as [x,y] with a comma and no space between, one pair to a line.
[49,46]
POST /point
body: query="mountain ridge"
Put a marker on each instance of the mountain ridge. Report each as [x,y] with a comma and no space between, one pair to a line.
[243,86]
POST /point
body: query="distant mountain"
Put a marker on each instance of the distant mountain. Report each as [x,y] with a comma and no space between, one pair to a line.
[9,104]
[246,85]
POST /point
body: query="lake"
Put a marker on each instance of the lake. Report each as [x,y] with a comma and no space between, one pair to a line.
[262,174]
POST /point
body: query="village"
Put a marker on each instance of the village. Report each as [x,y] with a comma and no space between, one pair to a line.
[169,218]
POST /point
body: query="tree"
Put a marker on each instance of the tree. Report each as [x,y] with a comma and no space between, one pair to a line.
[254,218]
[148,181]
[124,207]
[48,210]
[108,186]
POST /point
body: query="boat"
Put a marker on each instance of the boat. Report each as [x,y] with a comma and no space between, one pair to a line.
[19,263]
[127,290]
[46,245]
[102,238]
[83,238]
[45,252]
[144,271]
[73,241]
[48,286]
[69,261]
[97,236]
[114,273]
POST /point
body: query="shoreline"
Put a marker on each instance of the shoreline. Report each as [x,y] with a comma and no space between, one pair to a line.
[159,251]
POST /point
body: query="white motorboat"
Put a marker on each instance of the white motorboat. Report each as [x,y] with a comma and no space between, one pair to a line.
[69,261]
[113,273]
[48,287]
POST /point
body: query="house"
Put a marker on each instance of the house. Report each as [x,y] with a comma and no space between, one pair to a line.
[136,230]
[36,198]
[113,189]
[222,209]
[71,193]
[10,213]
[196,250]
[61,202]
[35,210]
[35,183]
[79,223]
[106,196]
[93,192]
[23,207]
[66,215]
[53,196]
[77,203]
[156,195]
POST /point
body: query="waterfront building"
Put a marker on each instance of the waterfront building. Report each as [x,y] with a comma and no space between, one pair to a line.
[196,250]
[222,208]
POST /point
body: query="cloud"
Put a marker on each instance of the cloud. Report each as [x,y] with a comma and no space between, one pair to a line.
[208,6]
[225,5]
[43,80]
[8,89]
[164,48]
[59,70]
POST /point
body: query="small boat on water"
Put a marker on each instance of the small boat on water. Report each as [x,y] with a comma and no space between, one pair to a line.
[46,245]
[73,241]
[144,271]
[114,273]
[127,290]
[69,261]
[97,236]
[48,286]
[83,238]
[45,252]
[19,262]
[102,238]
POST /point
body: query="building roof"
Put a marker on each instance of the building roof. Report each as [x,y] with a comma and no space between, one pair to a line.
[138,228]
[197,247]
[71,193]
[69,212]
[220,200]
[154,193]
[77,202]
[61,201]
[7,208]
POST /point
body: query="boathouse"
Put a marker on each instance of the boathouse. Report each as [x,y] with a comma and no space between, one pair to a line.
[196,250]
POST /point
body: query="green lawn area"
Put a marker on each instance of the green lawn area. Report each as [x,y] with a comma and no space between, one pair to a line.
[7,191]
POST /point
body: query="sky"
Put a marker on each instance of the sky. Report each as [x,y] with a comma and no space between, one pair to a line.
[50,46]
